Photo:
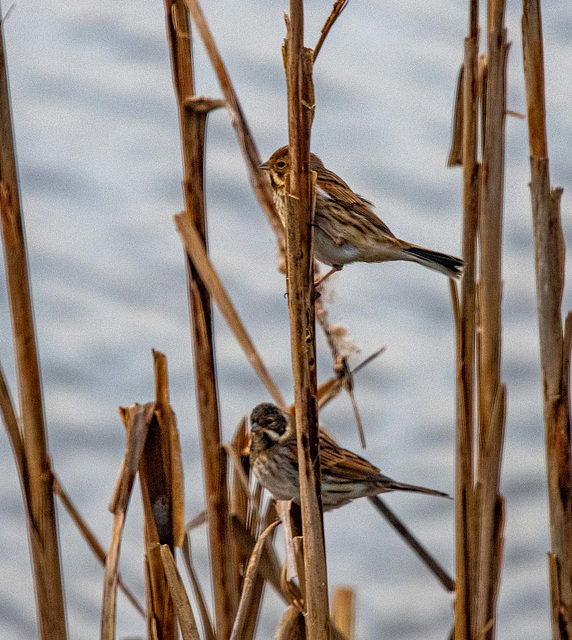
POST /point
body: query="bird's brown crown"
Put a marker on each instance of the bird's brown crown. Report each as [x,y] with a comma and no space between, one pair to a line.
[278,165]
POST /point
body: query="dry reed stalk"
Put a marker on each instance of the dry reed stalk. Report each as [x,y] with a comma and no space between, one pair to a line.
[192,115]
[490,224]
[179,595]
[208,630]
[136,419]
[492,407]
[300,274]
[196,250]
[11,424]
[554,342]
[344,611]
[479,509]
[249,587]
[465,517]
[41,516]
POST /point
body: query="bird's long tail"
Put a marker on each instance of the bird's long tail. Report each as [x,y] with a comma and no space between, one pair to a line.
[401,486]
[449,265]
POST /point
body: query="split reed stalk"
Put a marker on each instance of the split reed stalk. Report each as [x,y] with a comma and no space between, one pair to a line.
[549,252]
[492,403]
[41,520]
[192,117]
[300,271]
[479,509]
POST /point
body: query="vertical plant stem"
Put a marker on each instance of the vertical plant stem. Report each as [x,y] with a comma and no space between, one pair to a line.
[464,473]
[488,504]
[192,115]
[554,353]
[491,218]
[43,540]
[302,320]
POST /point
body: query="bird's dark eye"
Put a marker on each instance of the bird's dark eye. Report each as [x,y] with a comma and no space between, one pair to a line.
[281,164]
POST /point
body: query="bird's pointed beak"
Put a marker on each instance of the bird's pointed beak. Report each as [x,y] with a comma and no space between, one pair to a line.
[255,427]
[264,166]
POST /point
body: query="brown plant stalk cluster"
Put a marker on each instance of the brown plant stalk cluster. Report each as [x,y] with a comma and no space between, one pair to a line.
[241,525]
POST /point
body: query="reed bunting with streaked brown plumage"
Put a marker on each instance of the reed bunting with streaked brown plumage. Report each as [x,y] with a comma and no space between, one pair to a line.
[345,227]
[345,475]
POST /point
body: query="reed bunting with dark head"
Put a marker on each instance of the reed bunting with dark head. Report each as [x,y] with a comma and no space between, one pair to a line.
[345,475]
[345,227]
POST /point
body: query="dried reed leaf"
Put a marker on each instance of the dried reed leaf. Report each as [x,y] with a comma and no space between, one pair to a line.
[269,566]
[14,436]
[183,608]
[428,560]
[249,584]
[456,151]
[197,521]
[195,247]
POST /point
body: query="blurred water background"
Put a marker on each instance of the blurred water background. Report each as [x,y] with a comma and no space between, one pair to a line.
[98,152]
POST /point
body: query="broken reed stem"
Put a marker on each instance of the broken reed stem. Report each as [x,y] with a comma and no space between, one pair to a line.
[300,272]
[192,116]
[42,526]
[549,252]
[339,6]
